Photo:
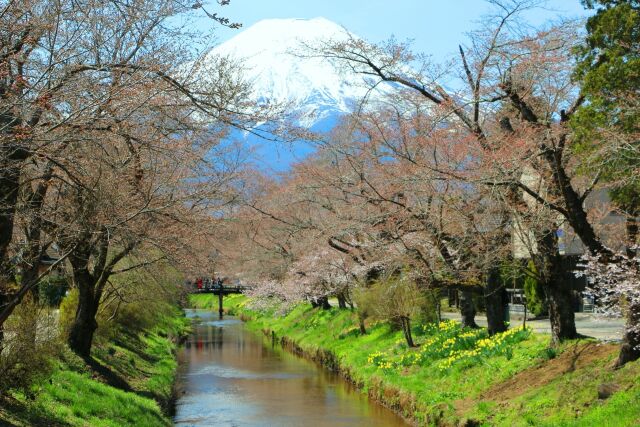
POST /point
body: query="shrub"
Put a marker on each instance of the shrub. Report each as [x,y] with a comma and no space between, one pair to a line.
[30,342]
[67,312]
[428,309]
[52,290]
[536,301]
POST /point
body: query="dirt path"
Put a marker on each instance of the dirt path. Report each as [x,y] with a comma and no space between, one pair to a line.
[576,357]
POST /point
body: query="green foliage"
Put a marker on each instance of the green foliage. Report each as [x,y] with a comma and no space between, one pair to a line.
[52,290]
[550,353]
[393,298]
[536,300]
[67,312]
[608,64]
[30,341]
[447,344]
[364,302]
[428,309]
[72,394]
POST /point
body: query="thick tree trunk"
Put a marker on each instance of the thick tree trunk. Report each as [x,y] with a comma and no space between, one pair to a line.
[557,290]
[84,325]
[630,349]
[467,309]
[9,186]
[561,313]
[342,301]
[496,302]
[324,303]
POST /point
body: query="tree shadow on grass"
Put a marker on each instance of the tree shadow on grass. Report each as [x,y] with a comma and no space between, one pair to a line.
[11,408]
[110,377]
[135,345]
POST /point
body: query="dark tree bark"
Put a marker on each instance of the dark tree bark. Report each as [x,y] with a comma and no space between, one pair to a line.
[363,329]
[324,303]
[631,229]
[630,349]
[84,325]
[31,257]
[91,270]
[496,302]
[342,300]
[467,309]
[9,185]
[406,329]
[559,293]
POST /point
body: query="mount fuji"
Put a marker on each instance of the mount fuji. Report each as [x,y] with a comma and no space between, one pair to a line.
[269,52]
[272,55]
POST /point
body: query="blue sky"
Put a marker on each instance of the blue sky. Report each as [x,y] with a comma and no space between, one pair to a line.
[436,26]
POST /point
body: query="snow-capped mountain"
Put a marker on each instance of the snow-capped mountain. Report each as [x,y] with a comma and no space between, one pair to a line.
[272,54]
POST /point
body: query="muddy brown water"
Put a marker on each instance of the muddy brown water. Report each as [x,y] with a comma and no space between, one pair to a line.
[232,377]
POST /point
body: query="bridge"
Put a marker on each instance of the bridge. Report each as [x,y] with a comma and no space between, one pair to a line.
[225,289]
[221,291]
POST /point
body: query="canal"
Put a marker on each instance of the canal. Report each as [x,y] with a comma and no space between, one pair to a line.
[233,377]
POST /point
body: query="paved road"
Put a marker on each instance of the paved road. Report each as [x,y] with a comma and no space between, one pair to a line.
[602,328]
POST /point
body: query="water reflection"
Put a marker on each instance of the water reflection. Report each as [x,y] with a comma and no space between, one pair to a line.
[234,378]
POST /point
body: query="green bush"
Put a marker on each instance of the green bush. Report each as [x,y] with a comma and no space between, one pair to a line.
[428,309]
[52,290]
[536,300]
[29,344]
[67,312]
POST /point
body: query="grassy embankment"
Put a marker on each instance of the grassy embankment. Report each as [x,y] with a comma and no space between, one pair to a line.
[456,377]
[129,382]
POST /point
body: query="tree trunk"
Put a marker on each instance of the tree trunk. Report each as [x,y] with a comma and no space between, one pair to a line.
[9,186]
[406,329]
[495,299]
[467,309]
[324,303]
[632,231]
[630,349]
[84,325]
[342,301]
[363,329]
[557,289]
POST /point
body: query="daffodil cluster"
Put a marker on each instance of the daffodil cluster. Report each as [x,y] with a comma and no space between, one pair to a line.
[380,360]
[499,344]
[447,344]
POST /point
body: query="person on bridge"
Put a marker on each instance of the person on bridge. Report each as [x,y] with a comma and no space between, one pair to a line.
[199,282]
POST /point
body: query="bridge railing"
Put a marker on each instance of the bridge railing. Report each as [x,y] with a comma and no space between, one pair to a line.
[232,289]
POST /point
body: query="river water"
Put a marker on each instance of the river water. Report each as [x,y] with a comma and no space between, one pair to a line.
[233,377]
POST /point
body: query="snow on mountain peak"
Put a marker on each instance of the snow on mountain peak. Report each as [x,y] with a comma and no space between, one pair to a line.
[266,51]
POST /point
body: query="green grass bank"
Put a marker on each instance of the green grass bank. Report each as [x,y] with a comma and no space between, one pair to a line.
[129,382]
[459,377]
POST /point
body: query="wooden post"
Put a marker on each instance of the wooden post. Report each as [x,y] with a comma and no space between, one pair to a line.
[220,311]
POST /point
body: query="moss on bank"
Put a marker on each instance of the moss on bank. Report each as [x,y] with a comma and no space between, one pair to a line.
[129,382]
[523,384]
